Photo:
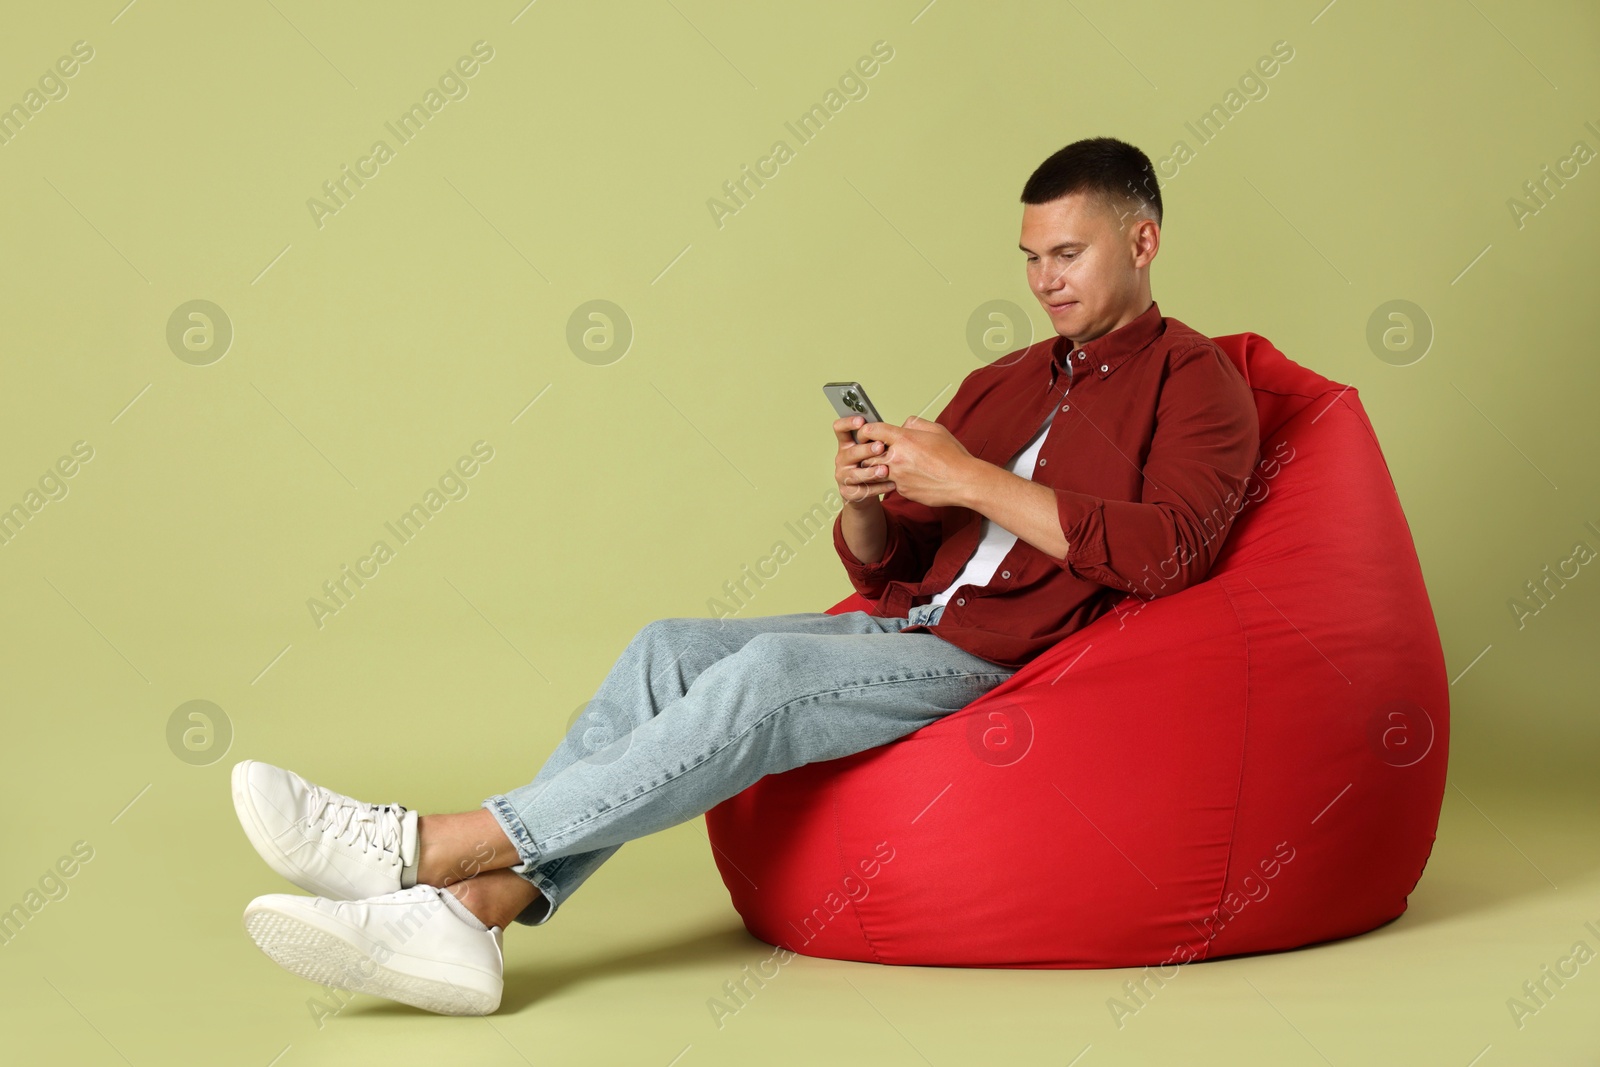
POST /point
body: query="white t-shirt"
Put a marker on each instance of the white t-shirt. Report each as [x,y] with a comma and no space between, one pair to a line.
[996,540]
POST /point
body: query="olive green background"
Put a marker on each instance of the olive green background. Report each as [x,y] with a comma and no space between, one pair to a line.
[432,311]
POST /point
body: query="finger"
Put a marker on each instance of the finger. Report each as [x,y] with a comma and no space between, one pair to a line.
[863,474]
[865,450]
[843,427]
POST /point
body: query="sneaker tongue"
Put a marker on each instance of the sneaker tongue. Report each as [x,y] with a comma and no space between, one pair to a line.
[408,849]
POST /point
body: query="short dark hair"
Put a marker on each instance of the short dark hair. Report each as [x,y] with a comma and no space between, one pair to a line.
[1114,172]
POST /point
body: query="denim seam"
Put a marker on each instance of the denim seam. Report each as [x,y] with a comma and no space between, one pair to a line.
[522,841]
[545,877]
[511,822]
[757,725]
[551,893]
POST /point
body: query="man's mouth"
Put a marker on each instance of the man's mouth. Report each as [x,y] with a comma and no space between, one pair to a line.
[1058,308]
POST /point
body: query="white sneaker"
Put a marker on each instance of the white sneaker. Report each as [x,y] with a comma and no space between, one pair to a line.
[408,946]
[325,842]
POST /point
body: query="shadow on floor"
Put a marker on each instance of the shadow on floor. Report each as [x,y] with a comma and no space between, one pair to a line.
[528,985]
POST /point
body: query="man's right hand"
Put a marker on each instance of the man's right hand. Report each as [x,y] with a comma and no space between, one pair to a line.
[860,482]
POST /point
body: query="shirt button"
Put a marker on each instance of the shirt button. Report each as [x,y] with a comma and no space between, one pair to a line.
[1066,407]
[1104,367]
[1041,461]
[960,601]
[1080,355]
[1005,574]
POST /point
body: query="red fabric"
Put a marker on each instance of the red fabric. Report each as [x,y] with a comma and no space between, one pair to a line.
[1152,392]
[1253,763]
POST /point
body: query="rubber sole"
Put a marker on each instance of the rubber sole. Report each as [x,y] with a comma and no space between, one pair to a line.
[309,950]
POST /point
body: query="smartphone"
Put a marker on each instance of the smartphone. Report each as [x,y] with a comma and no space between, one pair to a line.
[848,398]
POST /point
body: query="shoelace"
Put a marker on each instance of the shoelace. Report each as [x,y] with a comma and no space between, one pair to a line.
[361,824]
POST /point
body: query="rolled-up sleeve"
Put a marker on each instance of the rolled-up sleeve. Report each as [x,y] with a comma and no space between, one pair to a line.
[1206,444]
[912,540]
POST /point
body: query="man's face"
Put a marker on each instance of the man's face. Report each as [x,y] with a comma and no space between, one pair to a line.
[1086,264]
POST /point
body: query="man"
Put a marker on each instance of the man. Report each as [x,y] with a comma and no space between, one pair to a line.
[1109,461]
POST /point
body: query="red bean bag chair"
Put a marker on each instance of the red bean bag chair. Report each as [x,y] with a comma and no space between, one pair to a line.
[1253,763]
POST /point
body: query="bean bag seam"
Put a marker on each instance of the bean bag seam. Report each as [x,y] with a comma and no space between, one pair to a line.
[1298,392]
[1364,421]
[1233,832]
[1361,416]
[855,909]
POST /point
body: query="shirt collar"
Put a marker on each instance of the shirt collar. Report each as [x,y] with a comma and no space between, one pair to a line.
[1109,351]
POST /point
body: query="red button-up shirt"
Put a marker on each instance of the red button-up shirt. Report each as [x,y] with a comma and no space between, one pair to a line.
[1154,437]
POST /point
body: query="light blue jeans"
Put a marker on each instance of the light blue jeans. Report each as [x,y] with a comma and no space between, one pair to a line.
[697,709]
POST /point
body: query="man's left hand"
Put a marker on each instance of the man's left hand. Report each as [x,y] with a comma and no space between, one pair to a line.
[926,462]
